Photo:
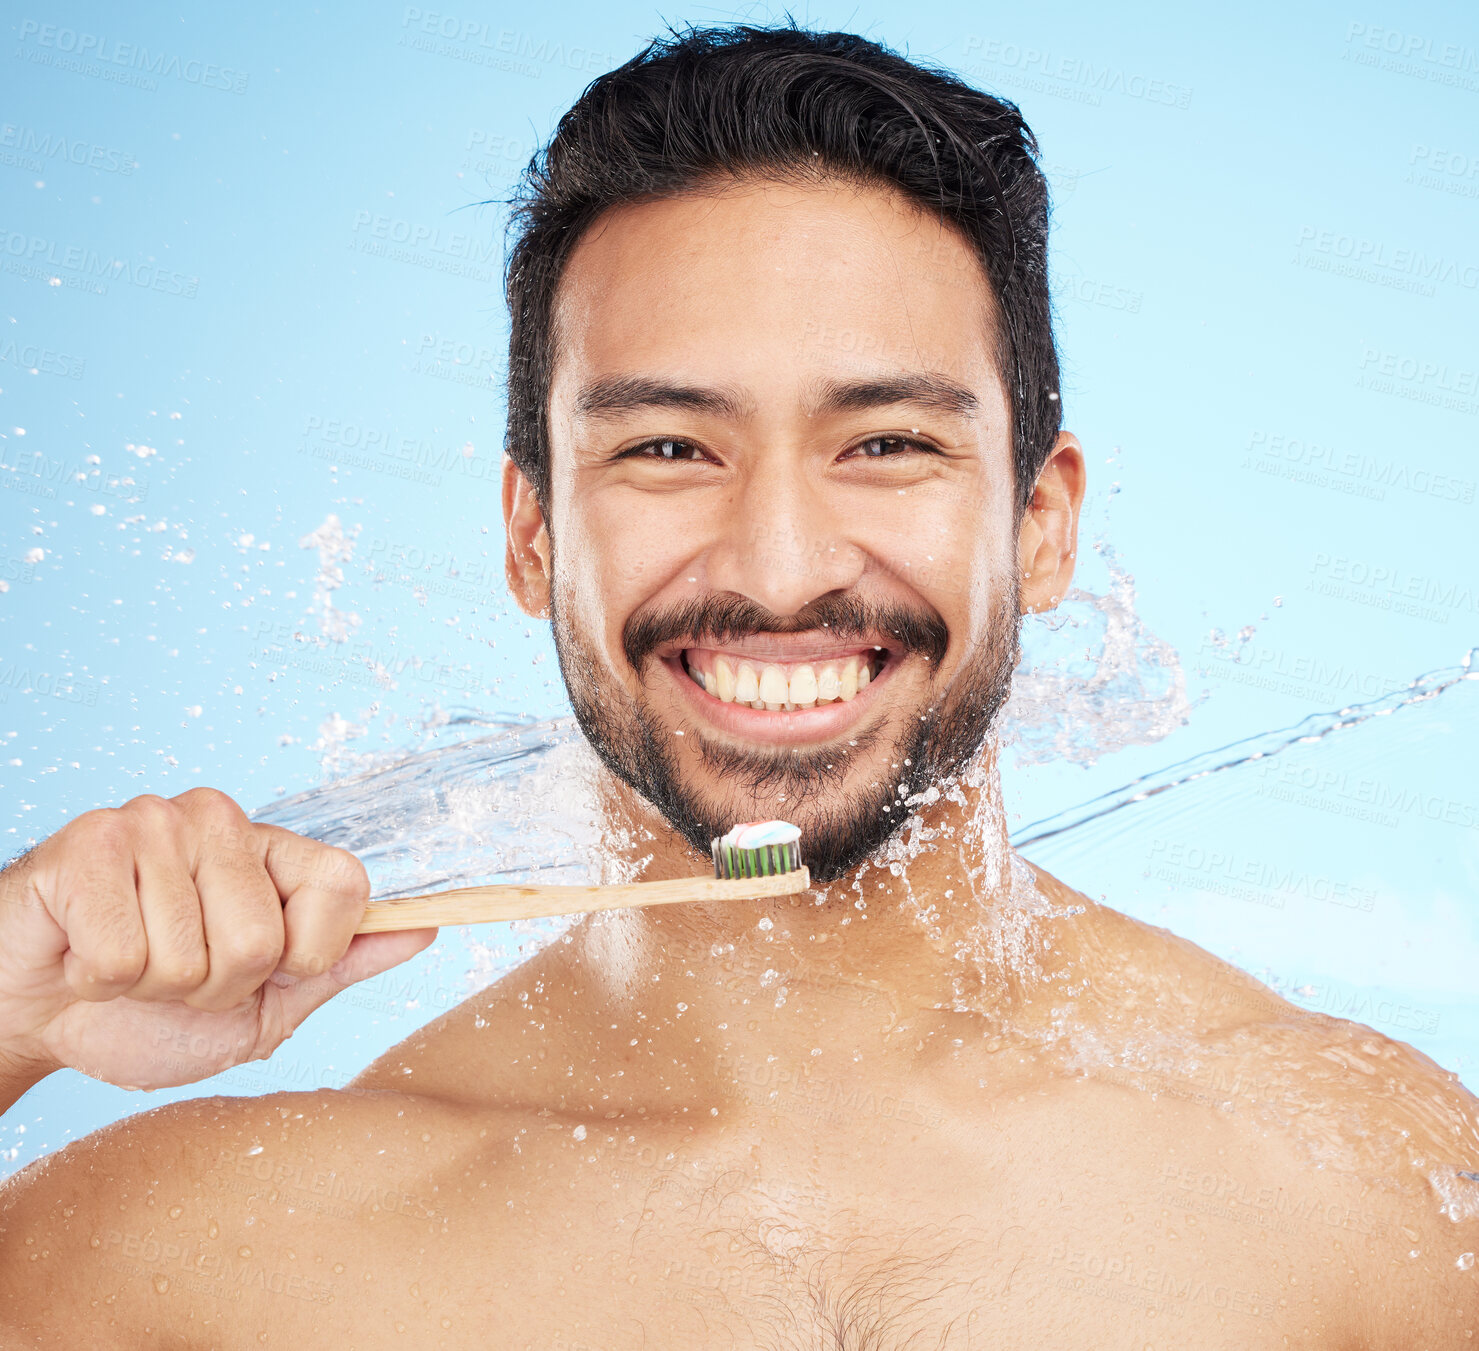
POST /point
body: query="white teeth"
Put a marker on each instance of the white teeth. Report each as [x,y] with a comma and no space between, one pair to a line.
[773,686]
[767,686]
[803,687]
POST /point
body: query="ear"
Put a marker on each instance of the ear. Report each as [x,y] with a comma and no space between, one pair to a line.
[1047,543]
[526,559]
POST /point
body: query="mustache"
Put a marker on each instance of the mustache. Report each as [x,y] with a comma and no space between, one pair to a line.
[727,617]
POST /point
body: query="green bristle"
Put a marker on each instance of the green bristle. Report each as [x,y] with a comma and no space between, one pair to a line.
[768,860]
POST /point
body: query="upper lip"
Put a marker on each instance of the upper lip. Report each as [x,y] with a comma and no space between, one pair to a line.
[778,647]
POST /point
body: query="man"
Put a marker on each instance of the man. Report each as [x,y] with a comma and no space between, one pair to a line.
[784,470]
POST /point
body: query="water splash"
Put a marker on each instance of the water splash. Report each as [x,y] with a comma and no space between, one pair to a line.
[1315,727]
[512,804]
[335,548]
[1094,679]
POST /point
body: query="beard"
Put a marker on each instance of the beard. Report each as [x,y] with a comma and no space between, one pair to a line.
[841,826]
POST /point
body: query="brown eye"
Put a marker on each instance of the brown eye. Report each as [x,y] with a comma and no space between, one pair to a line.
[666,449]
[884,447]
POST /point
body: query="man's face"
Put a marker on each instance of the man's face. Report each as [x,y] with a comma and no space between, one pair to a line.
[784,549]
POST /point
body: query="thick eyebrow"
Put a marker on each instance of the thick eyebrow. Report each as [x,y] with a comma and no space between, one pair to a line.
[926,389]
[613,395]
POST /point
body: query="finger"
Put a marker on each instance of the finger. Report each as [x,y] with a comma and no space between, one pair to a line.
[287,1000]
[324,890]
[242,914]
[173,924]
[96,903]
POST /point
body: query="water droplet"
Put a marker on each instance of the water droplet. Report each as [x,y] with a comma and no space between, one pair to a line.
[1465,1261]
[161,1283]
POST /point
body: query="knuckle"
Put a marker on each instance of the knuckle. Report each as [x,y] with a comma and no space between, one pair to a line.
[206,798]
[215,814]
[104,831]
[121,964]
[347,875]
[251,950]
[179,974]
[152,807]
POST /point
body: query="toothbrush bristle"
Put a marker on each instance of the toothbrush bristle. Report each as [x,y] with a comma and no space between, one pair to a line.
[766,857]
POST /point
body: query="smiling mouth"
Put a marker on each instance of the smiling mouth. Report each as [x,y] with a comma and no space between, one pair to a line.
[783,686]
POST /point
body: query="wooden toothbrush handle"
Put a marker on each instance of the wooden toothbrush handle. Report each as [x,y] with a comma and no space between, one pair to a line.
[485,905]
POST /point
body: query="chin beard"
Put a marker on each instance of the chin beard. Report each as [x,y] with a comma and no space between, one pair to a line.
[840,828]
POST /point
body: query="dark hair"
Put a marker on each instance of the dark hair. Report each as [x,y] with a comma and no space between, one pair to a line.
[788,103]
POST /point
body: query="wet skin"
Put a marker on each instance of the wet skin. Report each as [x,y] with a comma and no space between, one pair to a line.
[981,1110]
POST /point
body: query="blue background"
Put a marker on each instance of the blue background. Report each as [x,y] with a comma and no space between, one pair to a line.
[247,292]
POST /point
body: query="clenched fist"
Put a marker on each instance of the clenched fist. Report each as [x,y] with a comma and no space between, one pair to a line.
[166,940]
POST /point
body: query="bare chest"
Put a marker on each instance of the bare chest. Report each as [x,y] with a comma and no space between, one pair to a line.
[609,1248]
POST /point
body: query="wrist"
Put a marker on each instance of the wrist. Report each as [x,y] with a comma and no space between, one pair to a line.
[20,1070]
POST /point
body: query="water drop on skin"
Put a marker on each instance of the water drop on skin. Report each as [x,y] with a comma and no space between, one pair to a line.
[1465,1261]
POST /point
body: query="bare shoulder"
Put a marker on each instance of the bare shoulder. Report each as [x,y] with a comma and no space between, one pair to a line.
[1330,1118]
[187,1218]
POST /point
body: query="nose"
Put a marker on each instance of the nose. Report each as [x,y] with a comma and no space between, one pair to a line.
[783,541]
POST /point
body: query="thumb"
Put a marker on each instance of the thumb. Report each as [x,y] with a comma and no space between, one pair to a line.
[368,955]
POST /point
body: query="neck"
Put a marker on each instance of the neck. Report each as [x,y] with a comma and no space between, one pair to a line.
[942,918]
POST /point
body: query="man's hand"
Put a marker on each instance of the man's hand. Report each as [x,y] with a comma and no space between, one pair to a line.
[164,941]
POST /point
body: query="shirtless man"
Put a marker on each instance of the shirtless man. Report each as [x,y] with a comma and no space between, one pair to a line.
[797,418]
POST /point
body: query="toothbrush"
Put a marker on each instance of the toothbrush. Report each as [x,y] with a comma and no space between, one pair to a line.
[755,859]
